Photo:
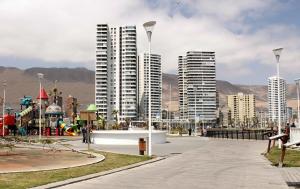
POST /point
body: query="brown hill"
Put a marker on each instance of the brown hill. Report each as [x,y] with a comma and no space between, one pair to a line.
[79,82]
[25,82]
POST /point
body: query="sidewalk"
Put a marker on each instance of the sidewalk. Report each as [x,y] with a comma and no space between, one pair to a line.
[207,164]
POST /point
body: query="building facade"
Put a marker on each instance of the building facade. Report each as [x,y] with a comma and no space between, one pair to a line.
[116,72]
[156,86]
[273,92]
[242,108]
[197,86]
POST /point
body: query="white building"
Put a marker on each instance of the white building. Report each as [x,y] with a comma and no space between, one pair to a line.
[273,99]
[197,86]
[116,72]
[182,87]
[156,86]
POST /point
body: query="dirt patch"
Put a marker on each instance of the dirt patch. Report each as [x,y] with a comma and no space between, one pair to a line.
[25,159]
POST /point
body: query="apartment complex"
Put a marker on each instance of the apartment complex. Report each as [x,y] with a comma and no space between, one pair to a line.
[242,108]
[197,86]
[273,93]
[156,86]
[116,72]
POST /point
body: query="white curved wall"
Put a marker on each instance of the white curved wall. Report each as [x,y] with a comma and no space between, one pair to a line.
[128,137]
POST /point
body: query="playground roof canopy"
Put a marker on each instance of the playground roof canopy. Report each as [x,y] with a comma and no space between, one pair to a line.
[43,94]
[53,109]
[92,108]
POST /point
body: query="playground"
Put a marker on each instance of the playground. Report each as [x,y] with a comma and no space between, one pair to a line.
[44,115]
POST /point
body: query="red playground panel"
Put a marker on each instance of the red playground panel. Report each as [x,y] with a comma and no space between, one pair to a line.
[9,119]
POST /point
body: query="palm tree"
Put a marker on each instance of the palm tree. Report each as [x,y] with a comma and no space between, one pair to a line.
[115,114]
[102,122]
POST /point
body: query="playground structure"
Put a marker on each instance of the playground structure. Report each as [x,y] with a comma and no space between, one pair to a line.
[53,119]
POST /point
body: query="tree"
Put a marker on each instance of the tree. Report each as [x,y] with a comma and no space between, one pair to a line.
[102,122]
[115,114]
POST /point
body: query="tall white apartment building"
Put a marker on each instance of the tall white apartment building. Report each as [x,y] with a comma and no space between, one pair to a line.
[242,108]
[116,72]
[182,87]
[156,85]
[273,99]
[197,86]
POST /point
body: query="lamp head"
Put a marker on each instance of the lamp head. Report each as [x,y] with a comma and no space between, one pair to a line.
[40,75]
[149,26]
[4,83]
[297,80]
[277,53]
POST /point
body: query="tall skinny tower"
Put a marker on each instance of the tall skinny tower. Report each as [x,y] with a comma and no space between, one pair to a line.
[197,86]
[116,72]
[156,85]
[273,99]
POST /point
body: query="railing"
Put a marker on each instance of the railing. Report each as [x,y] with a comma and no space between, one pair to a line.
[239,134]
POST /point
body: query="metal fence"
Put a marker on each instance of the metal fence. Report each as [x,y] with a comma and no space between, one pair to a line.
[238,134]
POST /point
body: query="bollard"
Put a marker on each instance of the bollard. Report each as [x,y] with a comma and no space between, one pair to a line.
[142,146]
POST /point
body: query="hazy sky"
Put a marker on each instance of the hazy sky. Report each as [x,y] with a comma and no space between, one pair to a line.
[61,33]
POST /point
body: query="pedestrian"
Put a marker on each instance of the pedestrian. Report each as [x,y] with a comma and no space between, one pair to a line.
[293,125]
[190,131]
[84,133]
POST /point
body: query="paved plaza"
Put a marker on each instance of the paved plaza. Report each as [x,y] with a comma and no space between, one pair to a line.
[194,162]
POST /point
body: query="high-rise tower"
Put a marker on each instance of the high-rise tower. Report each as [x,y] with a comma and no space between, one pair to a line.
[116,72]
[156,86]
[197,86]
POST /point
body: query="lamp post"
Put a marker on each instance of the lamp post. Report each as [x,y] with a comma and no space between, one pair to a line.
[3,110]
[277,53]
[149,26]
[40,76]
[169,108]
[298,103]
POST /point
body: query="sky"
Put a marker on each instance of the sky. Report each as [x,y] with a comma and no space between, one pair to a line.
[243,33]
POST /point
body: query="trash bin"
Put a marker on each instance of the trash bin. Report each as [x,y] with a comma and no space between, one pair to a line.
[142,146]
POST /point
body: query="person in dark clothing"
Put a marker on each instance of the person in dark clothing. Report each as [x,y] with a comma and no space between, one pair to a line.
[190,131]
[293,125]
[84,134]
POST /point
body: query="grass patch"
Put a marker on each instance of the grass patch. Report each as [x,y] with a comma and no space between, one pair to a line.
[32,179]
[291,159]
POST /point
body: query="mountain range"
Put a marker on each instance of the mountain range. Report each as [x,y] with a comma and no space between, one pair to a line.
[79,82]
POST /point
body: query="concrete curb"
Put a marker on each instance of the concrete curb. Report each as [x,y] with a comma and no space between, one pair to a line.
[96,175]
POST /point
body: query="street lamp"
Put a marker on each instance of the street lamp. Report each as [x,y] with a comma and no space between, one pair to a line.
[169,108]
[3,110]
[298,104]
[149,26]
[40,76]
[277,53]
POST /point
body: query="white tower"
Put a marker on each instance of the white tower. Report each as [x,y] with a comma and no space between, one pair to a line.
[273,99]
[156,85]
[116,72]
